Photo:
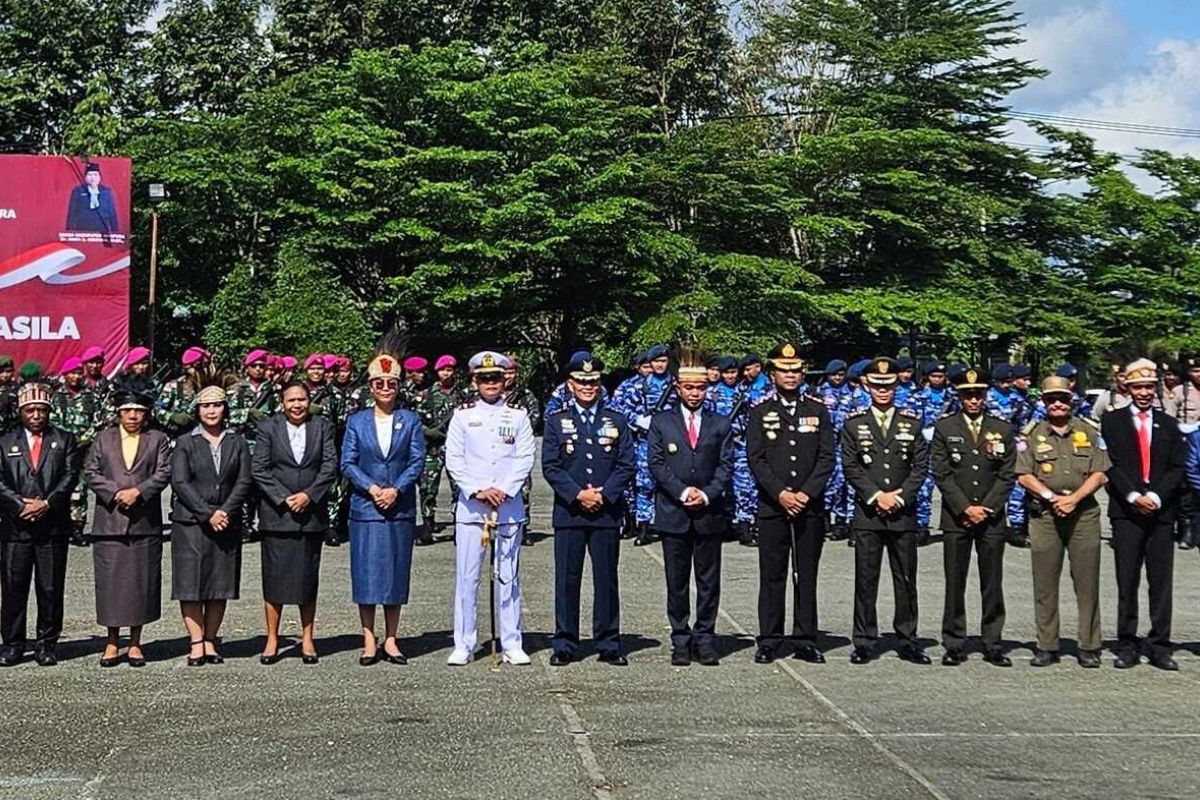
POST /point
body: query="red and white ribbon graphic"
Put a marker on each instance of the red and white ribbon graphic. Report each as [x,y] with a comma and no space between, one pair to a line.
[58,265]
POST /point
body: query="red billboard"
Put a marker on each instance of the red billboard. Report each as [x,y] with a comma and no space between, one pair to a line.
[64,258]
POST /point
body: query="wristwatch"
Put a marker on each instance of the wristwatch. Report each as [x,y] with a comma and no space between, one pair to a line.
[1047,495]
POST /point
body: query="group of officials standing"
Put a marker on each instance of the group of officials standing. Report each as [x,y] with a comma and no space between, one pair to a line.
[669,456]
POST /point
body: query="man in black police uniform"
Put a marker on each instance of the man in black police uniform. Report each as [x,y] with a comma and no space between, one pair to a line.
[789,445]
[1145,482]
[39,471]
[587,458]
[973,454]
[885,457]
[690,455]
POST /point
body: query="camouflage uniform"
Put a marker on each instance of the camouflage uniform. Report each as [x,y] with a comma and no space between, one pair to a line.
[249,405]
[838,499]
[8,407]
[175,411]
[78,413]
[930,404]
[520,397]
[328,401]
[638,399]
[435,410]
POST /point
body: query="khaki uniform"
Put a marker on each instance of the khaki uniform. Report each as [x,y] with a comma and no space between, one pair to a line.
[1063,462]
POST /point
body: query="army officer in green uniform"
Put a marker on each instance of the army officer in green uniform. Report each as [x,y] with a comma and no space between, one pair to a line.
[1061,462]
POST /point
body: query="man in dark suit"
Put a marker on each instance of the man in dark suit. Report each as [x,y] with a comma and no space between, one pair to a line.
[789,443]
[92,206]
[40,469]
[973,454]
[886,458]
[588,460]
[690,455]
[1144,486]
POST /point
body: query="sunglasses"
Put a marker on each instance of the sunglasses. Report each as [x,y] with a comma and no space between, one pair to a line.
[1062,400]
[489,378]
[587,382]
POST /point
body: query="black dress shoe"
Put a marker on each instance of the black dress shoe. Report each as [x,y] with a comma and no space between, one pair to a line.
[45,655]
[1164,661]
[806,652]
[707,657]
[425,533]
[1044,658]
[332,539]
[914,655]
[1016,537]
[309,658]
[1127,659]
[199,660]
[560,658]
[764,655]
[839,533]
[267,659]
[367,661]
[136,661]
[110,662]
[861,655]
[10,657]
[997,658]
[613,658]
[645,536]
[1089,659]
[680,657]
[922,537]
[953,658]
[399,659]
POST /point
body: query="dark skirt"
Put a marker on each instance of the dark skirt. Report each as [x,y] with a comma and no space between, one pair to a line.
[205,565]
[291,567]
[128,580]
[380,561]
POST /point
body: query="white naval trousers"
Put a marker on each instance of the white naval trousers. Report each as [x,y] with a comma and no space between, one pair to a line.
[471,556]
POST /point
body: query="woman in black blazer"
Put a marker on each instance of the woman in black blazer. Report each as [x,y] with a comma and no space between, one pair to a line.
[210,479]
[294,466]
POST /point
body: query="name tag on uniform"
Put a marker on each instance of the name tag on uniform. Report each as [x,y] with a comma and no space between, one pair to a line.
[478,423]
[955,440]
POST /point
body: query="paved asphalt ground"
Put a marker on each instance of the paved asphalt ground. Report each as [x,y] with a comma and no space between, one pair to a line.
[887,730]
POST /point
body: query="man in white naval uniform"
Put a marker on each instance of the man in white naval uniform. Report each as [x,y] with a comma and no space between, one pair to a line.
[489,454]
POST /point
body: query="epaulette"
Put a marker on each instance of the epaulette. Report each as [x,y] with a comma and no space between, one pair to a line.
[1028,429]
[861,412]
[994,415]
[904,412]
[465,404]
[761,400]
[947,415]
[1095,423]
[513,402]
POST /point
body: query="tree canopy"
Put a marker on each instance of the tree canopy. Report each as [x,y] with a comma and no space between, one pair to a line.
[542,175]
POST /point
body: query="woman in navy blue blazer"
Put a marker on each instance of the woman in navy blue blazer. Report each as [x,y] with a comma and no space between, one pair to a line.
[383,454]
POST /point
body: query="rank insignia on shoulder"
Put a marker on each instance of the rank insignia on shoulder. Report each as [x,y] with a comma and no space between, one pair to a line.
[467,404]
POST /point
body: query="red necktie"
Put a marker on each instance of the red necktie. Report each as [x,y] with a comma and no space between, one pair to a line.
[35,450]
[693,434]
[1144,444]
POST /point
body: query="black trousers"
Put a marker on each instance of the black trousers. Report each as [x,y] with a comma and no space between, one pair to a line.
[776,559]
[682,552]
[901,549]
[570,547]
[988,542]
[42,561]
[1146,542]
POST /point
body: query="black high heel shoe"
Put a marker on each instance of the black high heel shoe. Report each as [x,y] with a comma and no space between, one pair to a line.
[136,661]
[267,659]
[309,658]
[215,658]
[399,658]
[110,662]
[366,661]
[196,662]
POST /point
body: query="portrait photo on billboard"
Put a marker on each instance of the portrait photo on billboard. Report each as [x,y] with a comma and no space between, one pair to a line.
[63,287]
[92,206]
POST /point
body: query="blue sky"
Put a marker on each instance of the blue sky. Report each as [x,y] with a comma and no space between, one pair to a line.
[1119,60]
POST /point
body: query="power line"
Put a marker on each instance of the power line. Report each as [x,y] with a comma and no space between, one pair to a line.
[1109,125]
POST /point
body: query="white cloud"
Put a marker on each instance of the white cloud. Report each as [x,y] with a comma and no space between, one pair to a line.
[1164,91]
[1083,47]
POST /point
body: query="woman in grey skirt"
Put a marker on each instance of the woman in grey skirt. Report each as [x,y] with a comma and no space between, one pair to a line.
[128,468]
[294,466]
[210,478]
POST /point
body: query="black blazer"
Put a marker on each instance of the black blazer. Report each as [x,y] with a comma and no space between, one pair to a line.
[790,452]
[676,466]
[198,491]
[877,463]
[970,473]
[278,476]
[1168,453]
[53,481]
